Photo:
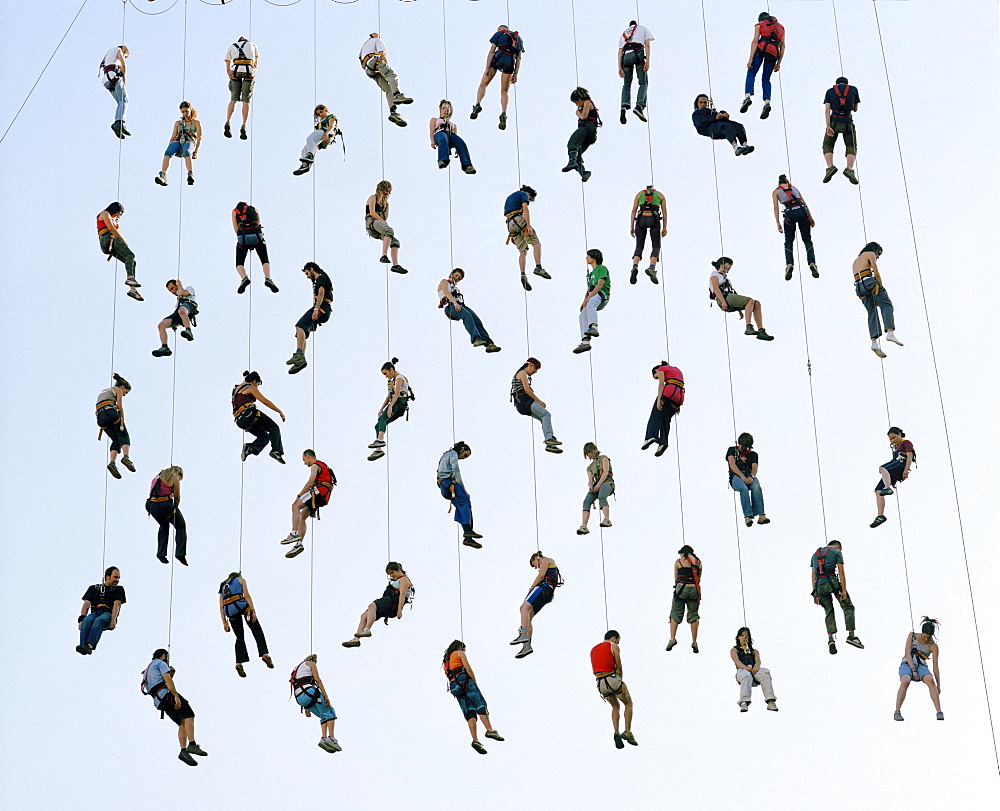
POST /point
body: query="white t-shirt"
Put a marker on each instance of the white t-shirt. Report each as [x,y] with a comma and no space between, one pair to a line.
[721,278]
[111,57]
[304,670]
[372,45]
[249,50]
[641,36]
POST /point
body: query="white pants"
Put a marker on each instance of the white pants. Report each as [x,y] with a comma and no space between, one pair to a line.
[745,678]
[312,144]
[588,315]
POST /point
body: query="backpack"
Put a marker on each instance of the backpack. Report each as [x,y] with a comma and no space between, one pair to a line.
[243,68]
[772,34]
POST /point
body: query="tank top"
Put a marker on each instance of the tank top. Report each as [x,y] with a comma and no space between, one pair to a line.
[321,123]
[789,197]
[187,131]
[517,387]
[102,227]
[920,651]
[454,667]
[443,125]
[304,671]
[381,210]
[551,579]
[649,205]
[594,468]
[455,294]
[404,389]
[158,489]
[746,657]
[108,397]
[602,658]
[241,398]
[685,574]
[593,117]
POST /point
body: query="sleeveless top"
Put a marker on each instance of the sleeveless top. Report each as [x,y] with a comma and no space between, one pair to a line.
[551,579]
[593,117]
[920,652]
[746,657]
[381,210]
[108,398]
[594,468]
[187,131]
[241,398]
[321,122]
[404,390]
[158,489]
[304,671]
[102,227]
[454,667]
[602,658]
[443,125]
[789,197]
[455,294]
[685,574]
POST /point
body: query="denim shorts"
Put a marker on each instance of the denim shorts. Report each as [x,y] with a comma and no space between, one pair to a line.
[470,699]
[178,150]
[922,670]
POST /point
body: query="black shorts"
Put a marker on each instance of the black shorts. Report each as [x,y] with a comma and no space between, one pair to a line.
[173,713]
[503,62]
[386,607]
[260,248]
[306,323]
[895,471]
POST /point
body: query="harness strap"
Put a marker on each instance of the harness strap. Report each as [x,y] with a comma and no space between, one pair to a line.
[161,498]
[242,408]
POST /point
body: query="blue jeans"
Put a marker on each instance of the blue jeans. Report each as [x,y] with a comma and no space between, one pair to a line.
[874,303]
[447,142]
[543,416]
[634,61]
[119,94]
[471,322]
[461,501]
[765,81]
[751,498]
[92,627]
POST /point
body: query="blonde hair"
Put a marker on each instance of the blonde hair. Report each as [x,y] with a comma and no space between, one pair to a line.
[310,658]
[171,475]
[382,191]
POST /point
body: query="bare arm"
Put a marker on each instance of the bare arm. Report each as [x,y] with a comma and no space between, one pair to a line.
[222,613]
[106,219]
[264,401]
[873,263]
[781,55]
[756,661]
[177,493]
[430,131]
[753,45]
[397,388]
[605,467]
[736,660]
[906,652]
[735,470]
[466,665]
[489,56]
[635,210]
[370,207]
[618,659]
[319,681]
[753,470]
[404,587]
[313,470]
[934,665]
[719,298]
[584,109]
[235,227]
[197,142]
[523,377]
[906,465]
[168,680]
[249,599]
[121,62]
[229,68]
[774,202]
[527,219]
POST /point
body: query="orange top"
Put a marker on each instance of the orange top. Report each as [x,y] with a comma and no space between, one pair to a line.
[602,658]
[454,661]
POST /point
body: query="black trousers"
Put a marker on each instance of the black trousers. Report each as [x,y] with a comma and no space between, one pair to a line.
[658,425]
[241,646]
[264,430]
[581,139]
[166,515]
[724,129]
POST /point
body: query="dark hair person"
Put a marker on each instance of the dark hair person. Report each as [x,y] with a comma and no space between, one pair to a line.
[462,684]
[920,647]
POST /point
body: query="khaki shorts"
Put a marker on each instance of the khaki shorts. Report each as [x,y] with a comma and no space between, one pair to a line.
[688,597]
[850,141]
[734,301]
[240,89]
[516,226]
[612,686]
[378,229]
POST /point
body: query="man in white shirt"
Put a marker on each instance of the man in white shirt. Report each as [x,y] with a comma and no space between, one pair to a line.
[241,65]
[633,56]
[113,73]
[377,68]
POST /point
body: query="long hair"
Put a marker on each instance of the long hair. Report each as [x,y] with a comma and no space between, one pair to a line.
[171,475]
[929,626]
[458,644]
[121,381]
[749,638]
[533,361]
[382,191]
[390,365]
[115,209]
[192,113]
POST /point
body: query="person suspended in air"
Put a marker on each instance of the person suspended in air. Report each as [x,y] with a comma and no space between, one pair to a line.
[312,698]
[919,649]
[721,291]
[767,49]
[444,138]
[522,233]
[390,605]
[540,594]
[742,460]
[250,418]
[158,683]
[717,125]
[528,404]
[462,684]
[597,298]
[687,594]
[112,73]
[325,131]
[749,673]
[111,421]
[313,318]
[829,581]
[600,486]
[869,288]
[185,140]
[241,67]
[314,495]
[451,300]
[164,505]
[633,57]
[506,53]
[376,68]
[449,481]
[250,237]
[795,213]
[841,102]
[113,245]
[669,399]
[395,405]
[649,214]
[235,607]
[376,216]
[606,662]
[893,471]
[585,134]
[185,315]
[101,604]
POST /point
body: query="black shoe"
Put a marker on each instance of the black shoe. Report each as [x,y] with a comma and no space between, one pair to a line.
[661,450]
[182,559]
[746,104]
[635,275]
[397,119]
[623,116]
[83,650]
[833,647]
[574,163]
[640,114]
[298,366]
[270,285]
[789,270]
[128,464]
[853,640]
[476,110]
[479,747]
[187,335]
[113,470]
[243,285]
[503,121]
[117,130]
[471,533]
[124,128]
[879,520]
[162,352]
[243,133]
[585,175]
[398,269]
[748,148]
[830,172]
[443,164]
[766,111]
[190,178]
[619,743]
[227,131]
[133,293]
[525,283]
[473,543]
[276,457]
[303,168]
[491,348]
[469,170]
[540,271]
[163,559]
[814,270]
[160,179]
[184,756]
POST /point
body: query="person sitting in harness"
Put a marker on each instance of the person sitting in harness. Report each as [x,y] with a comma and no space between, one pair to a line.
[528,403]
[749,673]
[377,225]
[395,405]
[521,232]
[111,421]
[649,213]
[606,662]
[325,132]
[840,103]
[600,486]
[720,290]
[597,297]
[158,683]
[186,131]
[315,493]
[241,67]
[312,698]
[114,246]
[394,599]
[893,471]
[717,125]
[313,318]
[445,138]
[376,68]
[112,73]
[540,594]
[101,604]
[767,48]
[185,314]
[250,237]
[462,684]
[506,52]
[235,606]
[585,134]
[451,300]
[829,581]
[633,57]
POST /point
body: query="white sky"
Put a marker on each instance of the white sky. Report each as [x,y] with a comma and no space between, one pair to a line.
[77,730]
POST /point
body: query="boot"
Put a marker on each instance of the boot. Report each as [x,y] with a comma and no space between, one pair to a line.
[574,162]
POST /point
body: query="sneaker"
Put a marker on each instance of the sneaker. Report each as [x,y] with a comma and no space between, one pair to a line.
[190,178]
[525,283]
[270,285]
[443,164]
[662,449]
[113,470]
[583,529]
[479,747]
[853,640]
[879,520]
[640,114]
[628,737]
[184,756]
[849,174]
[244,284]
[333,745]
[767,109]
[833,647]
[83,650]
[619,743]
[241,671]
[585,175]
[750,330]
[503,121]
[471,533]
[194,749]
[128,464]
[376,454]
[363,634]
[592,332]
[479,342]
[469,170]
[299,364]
[117,130]
[491,348]
[830,172]
[292,537]
[378,443]
[397,119]
[526,650]
[352,643]
[246,452]
[163,559]
[891,336]
[553,448]
[227,130]
[694,647]
[187,334]
[763,336]
[748,520]
[266,659]
[243,133]
[384,259]
[583,347]
[939,716]
[651,272]
[814,270]
[763,519]
[747,149]
[398,269]
[635,275]
[324,744]
[746,104]
[671,644]
[276,457]
[645,445]
[886,491]
[877,349]
[476,110]
[522,636]
[772,705]
[124,128]
[162,352]
[744,706]
[296,550]
[494,735]
[622,116]
[133,293]
[540,271]
[472,542]
[552,441]
[399,98]
[304,167]
[897,716]
[160,179]
[789,270]
[606,523]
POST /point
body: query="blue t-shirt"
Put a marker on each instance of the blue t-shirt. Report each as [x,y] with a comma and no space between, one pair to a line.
[503,39]
[838,112]
[154,675]
[515,201]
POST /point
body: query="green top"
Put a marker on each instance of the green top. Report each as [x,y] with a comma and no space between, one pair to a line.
[596,274]
[656,201]
[594,468]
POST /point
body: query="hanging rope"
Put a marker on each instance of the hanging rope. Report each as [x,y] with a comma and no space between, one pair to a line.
[590,359]
[312,353]
[937,380]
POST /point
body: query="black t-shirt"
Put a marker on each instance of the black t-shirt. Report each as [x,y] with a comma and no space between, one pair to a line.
[745,464]
[843,112]
[323,281]
[103,603]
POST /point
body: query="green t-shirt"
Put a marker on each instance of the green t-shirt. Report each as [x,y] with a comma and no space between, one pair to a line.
[833,557]
[596,274]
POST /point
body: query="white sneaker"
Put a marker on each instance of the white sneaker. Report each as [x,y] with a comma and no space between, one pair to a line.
[877,349]
[647,444]
[293,537]
[891,336]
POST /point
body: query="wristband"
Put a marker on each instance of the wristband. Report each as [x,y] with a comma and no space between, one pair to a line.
[81,618]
